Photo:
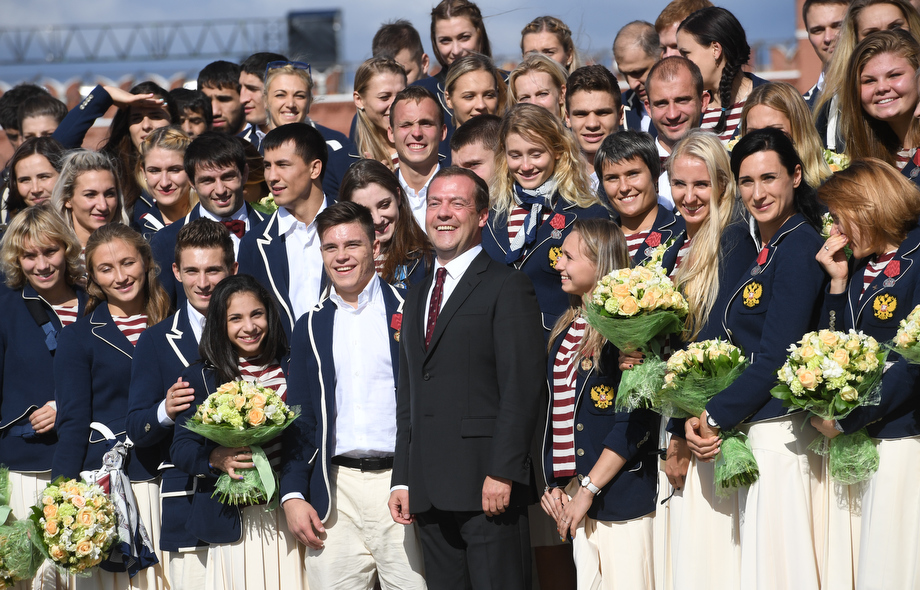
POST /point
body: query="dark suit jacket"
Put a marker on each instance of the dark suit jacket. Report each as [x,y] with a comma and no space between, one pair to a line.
[146,218]
[307,446]
[632,113]
[467,406]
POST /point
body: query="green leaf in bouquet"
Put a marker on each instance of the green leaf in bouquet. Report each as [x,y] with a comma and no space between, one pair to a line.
[639,386]
[735,466]
[852,458]
[19,549]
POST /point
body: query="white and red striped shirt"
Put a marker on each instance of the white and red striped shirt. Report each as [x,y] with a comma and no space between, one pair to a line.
[681,254]
[66,313]
[874,268]
[132,326]
[635,241]
[711,119]
[565,376]
[903,157]
[272,377]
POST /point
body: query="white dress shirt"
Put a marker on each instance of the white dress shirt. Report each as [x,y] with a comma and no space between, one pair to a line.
[240,214]
[365,391]
[455,269]
[664,183]
[305,260]
[417,201]
[196,320]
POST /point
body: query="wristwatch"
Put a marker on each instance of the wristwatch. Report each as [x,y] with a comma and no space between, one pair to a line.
[586,483]
[712,423]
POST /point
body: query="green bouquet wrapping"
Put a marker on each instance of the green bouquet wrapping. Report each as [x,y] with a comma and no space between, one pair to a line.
[633,308]
[244,414]
[20,557]
[830,374]
[694,376]
[906,340]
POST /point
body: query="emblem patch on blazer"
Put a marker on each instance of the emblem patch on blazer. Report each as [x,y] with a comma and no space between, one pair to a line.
[602,396]
[587,364]
[554,253]
[884,306]
[752,293]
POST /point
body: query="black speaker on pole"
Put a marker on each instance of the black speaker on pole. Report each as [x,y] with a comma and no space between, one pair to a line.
[313,36]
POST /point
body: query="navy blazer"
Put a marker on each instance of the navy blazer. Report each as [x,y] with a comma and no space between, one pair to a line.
[632,113]
[766,311]
[92,370]
[898,413]
[27,372]
[78,121]
[912,169]
[666,225]
[146,218]
[163,245]
[250,135]
[163,351]
[631,435]
[263,255]
[311,385]
[539,261]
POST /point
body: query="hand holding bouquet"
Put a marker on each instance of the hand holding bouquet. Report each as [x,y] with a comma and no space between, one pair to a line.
[830,374]
[694,376]
[632,308]
[241,414]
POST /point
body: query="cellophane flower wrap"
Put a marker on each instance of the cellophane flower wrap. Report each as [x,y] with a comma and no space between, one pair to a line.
[76,525]
[244,414]
[20,558]
[694,376]
[830,374]
[633,308]
[907,340]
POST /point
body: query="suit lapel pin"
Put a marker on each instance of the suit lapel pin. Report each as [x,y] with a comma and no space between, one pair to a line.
[586,364]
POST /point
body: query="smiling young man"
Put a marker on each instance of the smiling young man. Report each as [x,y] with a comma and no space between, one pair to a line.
[469,388]
[628,166]
[635,50]
[157,394]
[345,357]
[252,88]
[594,108]
[823,19]
[416,128]
[283,253]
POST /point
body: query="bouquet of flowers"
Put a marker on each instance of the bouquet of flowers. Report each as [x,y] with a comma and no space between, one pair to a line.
[632,308]
[76,524]
[19,557]
[906,340]
[830,374]
[694,376]
[241,414]
[837,162]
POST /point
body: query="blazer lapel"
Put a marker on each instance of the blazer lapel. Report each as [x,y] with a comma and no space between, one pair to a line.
[393,302]
[181,338]
[274,257]
[877,286]
[104,328]
[461,291]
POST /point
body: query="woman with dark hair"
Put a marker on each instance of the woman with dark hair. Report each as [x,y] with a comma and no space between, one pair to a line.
[714,40]
[130,126]
[553,38]
[406,255]
[771,307]
[34,169]
[249,547]
[92,370]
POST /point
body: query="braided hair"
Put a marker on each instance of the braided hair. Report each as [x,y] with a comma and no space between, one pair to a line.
[717,25]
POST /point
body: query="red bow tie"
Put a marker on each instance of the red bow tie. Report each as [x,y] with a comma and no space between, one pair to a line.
[236,227]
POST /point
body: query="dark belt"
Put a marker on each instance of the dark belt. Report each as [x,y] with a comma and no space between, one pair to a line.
[364,463]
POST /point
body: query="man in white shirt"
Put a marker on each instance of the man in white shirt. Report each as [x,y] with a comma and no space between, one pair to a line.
[338,457]
[416,128]
[594,108]
[283,253]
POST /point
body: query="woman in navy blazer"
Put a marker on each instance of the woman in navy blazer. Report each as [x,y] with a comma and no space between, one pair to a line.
[92,370]
[539,190]
[167,194]
[600,464]
[406,253]
[876,210]
[772,306]
[250,547]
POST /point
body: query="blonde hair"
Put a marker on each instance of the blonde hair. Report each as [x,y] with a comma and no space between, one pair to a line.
[538,126]
[537,62]
[287,70]
[836,72]
[698,275]
[369,138]
[784,98]
[477,62]
[76,163]
[551,24]
[38,226]
[604,244]
[866,136]
[170,139]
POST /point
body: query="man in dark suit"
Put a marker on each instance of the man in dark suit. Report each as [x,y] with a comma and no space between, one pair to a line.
[470,383]
[635,51]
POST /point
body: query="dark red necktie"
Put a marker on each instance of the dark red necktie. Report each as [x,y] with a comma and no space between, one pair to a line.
[236,227]
[434,306]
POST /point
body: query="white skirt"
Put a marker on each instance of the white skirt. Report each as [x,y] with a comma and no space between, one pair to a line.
[661,521]
[267,556]
[25,489]
[889,545]
[837,514]
[147,494]
[777,525]
[705,535]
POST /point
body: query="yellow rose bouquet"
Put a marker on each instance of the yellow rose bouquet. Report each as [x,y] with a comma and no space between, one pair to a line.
[694,376]
[633,308]
[20,556]
[244,414]
[907,340]
[830,374]
[76,525]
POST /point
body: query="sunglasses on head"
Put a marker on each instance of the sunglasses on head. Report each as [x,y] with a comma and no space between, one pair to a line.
[298,65]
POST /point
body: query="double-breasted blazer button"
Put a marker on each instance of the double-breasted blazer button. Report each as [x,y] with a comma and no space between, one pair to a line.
[579,427]
[580,452]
